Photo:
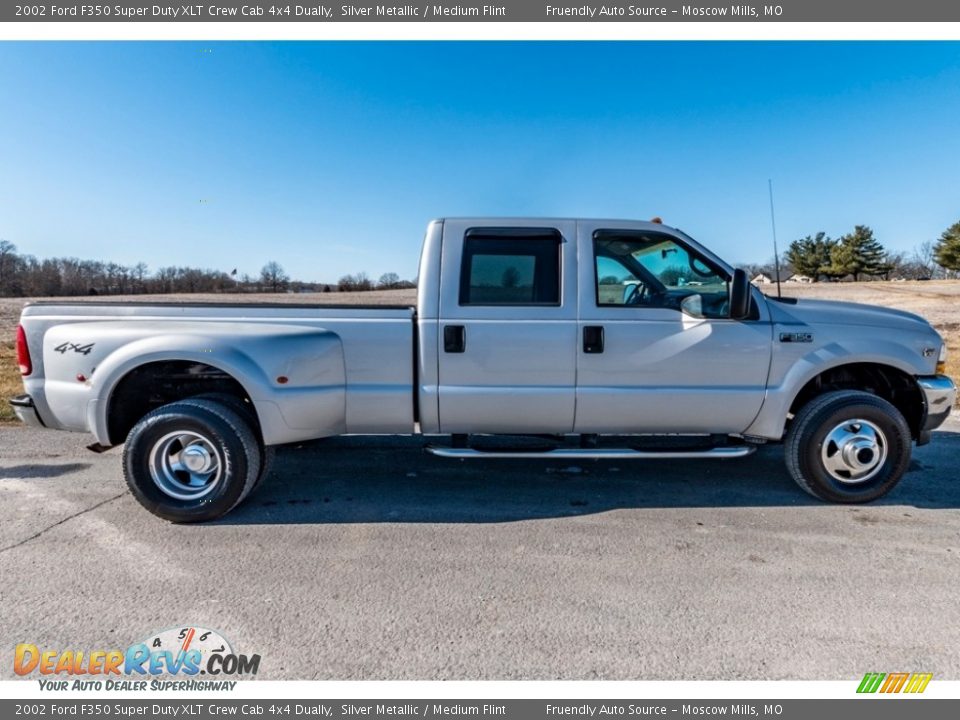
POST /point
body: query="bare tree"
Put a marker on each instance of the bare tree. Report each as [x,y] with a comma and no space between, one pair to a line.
[388,281]
[354,283]
[139,272]
[273,276]
[7,251]
[925,256]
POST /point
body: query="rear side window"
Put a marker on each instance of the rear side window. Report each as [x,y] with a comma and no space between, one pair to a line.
[510,266]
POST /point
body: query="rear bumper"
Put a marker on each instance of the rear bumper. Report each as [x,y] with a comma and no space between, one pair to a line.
[939,395]
[26,411]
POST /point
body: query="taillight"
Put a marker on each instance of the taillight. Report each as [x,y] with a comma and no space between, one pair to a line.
[23,352]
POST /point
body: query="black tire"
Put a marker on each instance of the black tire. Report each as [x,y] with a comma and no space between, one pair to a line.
[266,465]
[218,432]
[818,462]
[267,454]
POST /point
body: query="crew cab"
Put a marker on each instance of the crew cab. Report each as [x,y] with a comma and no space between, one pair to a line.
[609,338]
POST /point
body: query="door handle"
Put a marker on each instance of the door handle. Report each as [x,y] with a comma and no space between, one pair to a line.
[593,339]
[454,338]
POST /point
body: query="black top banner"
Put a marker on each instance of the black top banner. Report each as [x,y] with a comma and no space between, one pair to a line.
[512,11]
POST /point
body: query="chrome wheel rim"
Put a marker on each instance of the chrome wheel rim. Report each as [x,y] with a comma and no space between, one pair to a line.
[185,465]
[854,451]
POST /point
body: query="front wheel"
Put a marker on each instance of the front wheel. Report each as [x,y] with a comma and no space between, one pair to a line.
[191,460]
[848,446]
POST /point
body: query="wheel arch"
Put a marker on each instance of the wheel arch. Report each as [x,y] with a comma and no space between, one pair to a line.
[893,384]
[153,383]
[295,380]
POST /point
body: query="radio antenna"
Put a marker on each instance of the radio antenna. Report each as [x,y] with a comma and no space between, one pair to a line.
[773,226]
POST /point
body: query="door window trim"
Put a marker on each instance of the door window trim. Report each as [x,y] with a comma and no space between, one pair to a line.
[626,233]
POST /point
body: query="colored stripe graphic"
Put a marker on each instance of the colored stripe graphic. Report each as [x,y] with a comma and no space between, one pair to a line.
[918,682]
[894,682]
[870,682]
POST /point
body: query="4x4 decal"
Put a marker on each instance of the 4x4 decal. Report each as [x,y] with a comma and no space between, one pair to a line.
[82,349]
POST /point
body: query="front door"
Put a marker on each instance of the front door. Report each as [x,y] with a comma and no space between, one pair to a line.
[658,351]
[508,327]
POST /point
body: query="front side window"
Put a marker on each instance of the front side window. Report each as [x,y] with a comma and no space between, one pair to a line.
[640,269]
[504,268]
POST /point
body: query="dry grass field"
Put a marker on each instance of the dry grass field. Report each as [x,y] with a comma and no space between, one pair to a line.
[938,301]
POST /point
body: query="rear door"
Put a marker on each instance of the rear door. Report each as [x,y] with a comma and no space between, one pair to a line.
[658,351]
[508,327]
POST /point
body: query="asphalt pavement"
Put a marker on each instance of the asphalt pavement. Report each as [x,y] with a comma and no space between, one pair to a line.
[365,558]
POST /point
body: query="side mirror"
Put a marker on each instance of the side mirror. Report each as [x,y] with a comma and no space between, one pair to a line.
[739,295]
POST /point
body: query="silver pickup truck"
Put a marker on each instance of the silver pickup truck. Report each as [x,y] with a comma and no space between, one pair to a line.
[603,338]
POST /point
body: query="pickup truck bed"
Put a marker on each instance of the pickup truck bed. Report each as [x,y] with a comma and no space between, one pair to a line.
[344,369]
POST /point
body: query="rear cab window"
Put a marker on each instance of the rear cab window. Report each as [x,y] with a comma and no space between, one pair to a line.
[511,266]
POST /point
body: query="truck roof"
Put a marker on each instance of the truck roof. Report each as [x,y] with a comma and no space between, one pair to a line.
[535,220]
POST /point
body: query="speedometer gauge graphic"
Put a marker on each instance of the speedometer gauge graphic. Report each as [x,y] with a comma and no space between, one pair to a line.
[181,640]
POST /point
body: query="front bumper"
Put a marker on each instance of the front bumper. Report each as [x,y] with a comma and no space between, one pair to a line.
[26,411]
[939,395]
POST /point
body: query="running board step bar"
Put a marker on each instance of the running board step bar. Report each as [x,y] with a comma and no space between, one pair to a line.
[719,453]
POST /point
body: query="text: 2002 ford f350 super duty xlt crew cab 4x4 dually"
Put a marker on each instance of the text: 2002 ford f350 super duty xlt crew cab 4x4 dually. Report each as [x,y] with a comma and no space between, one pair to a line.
[588,328]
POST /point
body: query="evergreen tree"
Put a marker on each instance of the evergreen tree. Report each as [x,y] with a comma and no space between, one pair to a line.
[811,254]
[947,250]
[858,253]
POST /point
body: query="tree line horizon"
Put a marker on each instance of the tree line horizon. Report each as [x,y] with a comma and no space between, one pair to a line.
[28,276]
[858,255]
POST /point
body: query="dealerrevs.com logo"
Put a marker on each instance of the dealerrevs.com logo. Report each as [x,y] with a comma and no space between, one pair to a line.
[185,652]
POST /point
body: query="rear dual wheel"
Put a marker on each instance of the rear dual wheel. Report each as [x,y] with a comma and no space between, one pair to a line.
[193,460]
[245,408]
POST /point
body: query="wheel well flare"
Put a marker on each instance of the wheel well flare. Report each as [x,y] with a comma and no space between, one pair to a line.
[154,384]
[893,385]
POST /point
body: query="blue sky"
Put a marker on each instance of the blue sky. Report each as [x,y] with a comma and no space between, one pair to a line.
[331,157]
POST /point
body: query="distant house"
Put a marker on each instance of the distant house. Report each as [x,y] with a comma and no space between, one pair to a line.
[768,278]
[785,277]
